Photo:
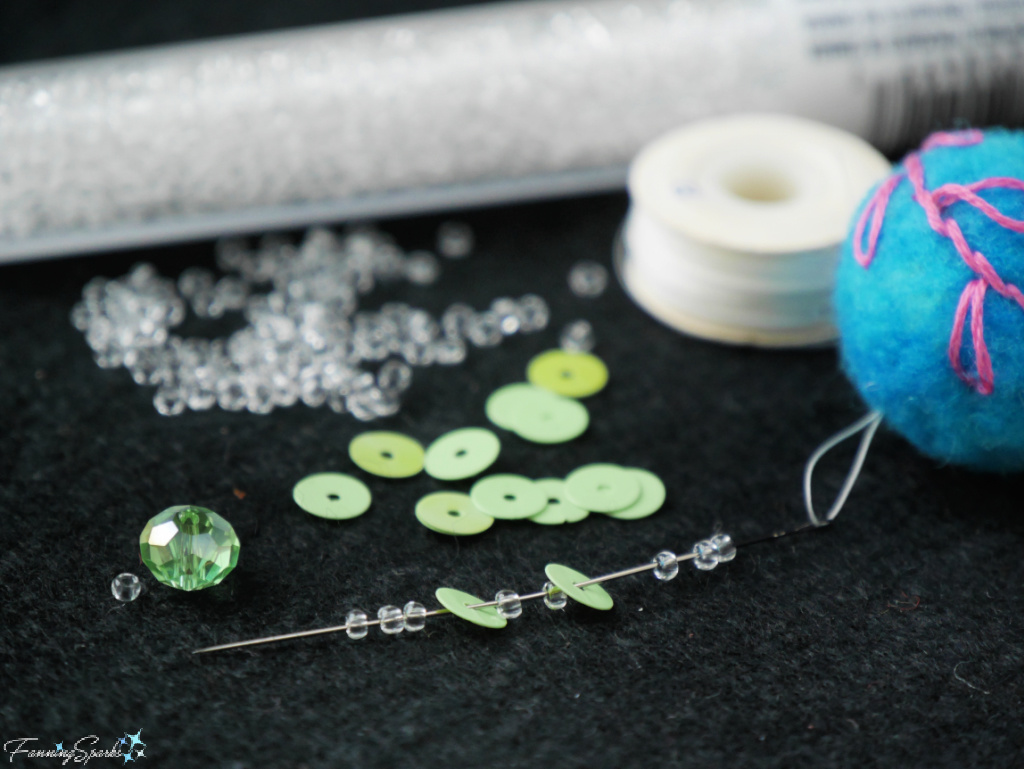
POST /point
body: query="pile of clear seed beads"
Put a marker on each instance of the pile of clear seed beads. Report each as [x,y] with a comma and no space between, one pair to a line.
[508,604]
[306,338]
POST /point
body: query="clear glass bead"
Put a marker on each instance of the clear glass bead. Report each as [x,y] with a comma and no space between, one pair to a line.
[577,336]
[724,546]
[454,240]
[534,313]
[554,597]
[509,606]
[449,351]
[415,615]
[706,556]
[668,566]
[394,376]
[126,587]
[485,330]
[509,315]
[392,620]
[422,268]
[588,279]
[169,401]
[356,621]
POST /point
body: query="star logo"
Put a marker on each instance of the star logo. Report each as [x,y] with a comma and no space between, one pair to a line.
[60,746]
[134,745]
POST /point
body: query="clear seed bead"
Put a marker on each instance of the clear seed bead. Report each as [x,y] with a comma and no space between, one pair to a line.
[356,621]
[394,376]
[509,606]
[415,615]
[724,546]
[706,555]
[509,315]
[535,313]
[668,566]
[485,330]
[126,587]
[577,336]
[588,279]
[421,268]
[392,620]
[454,240]
[554,597]
[169,401]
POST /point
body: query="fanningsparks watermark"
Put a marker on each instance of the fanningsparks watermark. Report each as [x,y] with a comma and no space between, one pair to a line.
[130,747]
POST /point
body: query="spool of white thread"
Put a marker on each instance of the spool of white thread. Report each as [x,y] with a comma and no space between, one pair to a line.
[735,224]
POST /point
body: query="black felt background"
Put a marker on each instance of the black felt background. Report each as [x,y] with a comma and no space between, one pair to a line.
[893,639]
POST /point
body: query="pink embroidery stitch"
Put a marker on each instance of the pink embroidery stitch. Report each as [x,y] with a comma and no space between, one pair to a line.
[934,203]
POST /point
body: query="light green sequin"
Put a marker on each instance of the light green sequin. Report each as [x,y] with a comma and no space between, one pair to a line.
[389,455]
[536,414]
[575,374]
[189,547]
[458,603]
[462,454]
[332,495]
[602,488]
[509,497]
[566,579]
[558,509]
[652,496]
[449,512]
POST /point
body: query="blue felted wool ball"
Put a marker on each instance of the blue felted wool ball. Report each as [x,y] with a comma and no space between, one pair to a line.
[897,315]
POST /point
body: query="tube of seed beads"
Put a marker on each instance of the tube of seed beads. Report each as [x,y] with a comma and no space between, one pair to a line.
[461,107]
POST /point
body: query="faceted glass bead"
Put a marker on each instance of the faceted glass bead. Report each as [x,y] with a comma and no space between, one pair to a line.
[126,587]
[724,546]
[509,605]
[356,621]
[415,615]
[189,547]
[588,279]
[392,620]
[668,566]
[706,555]
[554,597]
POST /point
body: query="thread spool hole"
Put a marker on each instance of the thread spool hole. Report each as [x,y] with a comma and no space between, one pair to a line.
[759,184]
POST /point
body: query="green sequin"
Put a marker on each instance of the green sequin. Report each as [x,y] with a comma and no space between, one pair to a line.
[509,497]
[602,488]
[558,509]
[652,496]
[462,454]
[449,512]
[387,454]
[574,374]
[332,495]
[458,603]
[566,579]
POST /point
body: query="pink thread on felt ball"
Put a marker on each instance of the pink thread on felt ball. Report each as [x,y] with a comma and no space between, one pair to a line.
[934,203]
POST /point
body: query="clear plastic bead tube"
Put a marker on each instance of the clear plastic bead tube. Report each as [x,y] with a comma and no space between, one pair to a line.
[498,102]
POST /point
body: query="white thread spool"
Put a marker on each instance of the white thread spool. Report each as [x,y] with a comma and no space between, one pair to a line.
[735,224]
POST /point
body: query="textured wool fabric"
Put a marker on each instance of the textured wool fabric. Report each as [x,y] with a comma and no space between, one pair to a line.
[895,316]
[894,638]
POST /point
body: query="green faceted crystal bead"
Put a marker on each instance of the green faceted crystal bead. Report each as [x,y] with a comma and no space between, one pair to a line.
[189,547]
